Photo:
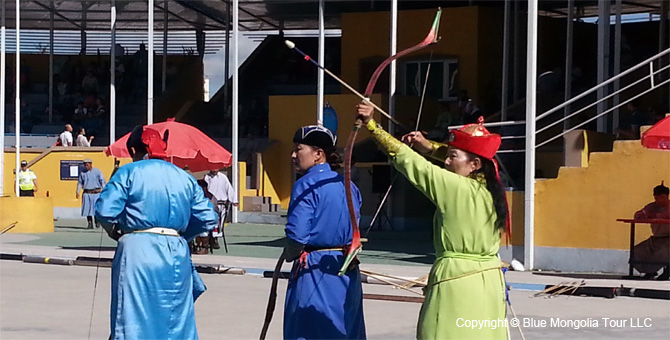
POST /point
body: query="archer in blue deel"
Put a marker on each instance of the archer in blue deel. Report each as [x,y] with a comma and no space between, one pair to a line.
[319,303]
[153,208]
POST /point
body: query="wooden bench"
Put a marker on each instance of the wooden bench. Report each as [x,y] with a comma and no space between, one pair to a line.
[631,260]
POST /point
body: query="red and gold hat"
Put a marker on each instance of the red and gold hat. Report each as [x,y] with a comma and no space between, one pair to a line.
[156,145]
[475,138]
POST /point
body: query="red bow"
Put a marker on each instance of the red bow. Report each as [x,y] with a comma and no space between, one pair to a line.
[356,245]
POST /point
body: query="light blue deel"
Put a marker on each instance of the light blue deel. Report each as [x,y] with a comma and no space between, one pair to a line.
[154,282]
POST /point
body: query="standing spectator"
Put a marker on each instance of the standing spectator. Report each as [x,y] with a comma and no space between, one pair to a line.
[91,181]
[248,151]
[81,138]
[223,194]
[158,208]
[65,137]
[27,181]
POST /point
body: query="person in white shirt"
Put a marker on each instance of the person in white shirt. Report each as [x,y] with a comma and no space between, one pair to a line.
[222,194]
[81,138]
[66,136]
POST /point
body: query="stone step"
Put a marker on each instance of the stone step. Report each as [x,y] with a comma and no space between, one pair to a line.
[257,200]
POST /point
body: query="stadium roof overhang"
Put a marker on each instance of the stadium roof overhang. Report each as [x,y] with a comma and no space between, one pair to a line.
[255,15]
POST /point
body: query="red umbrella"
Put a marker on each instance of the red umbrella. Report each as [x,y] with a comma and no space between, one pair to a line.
[658,136]
[187,147]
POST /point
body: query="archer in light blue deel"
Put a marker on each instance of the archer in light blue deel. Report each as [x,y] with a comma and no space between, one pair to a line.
[153,209]
[320,304]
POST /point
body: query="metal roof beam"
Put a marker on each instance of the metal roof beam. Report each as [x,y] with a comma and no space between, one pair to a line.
[177,16]
[643,5]
[255,16]
[58,14]
[206,12]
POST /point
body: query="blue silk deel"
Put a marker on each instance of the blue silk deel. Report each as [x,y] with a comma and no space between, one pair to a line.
[154,282]
[319,303]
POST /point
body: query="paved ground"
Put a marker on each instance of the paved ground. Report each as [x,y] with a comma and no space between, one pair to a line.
[39,301]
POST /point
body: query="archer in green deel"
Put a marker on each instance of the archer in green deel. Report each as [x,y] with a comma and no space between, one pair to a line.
[466,281]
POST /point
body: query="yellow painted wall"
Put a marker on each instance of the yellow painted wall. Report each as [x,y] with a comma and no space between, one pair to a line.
[287,114]
[579,208]
[47,170]
[33,214]
[459,32]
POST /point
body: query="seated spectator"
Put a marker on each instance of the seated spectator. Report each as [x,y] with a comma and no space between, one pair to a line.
[81,138]
[27,119]
[468,110]
[80,113]
[630,127]
[90,82]
[90,102]
[657,247]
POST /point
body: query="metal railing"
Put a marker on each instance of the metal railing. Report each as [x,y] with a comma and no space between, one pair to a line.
[650,76]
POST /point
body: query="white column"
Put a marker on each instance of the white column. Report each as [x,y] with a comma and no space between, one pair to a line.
[150,66]
[3,62]
[393,67]
[236,77]
[17,100]
[112,78]
[531,99]
[322,62]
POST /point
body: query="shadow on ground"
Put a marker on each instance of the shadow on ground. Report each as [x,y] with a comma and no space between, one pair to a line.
[95,248]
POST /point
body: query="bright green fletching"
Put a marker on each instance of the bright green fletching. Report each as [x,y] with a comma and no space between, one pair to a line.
[347,261]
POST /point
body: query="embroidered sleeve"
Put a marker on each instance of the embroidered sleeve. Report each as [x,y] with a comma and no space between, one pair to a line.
[387,143]
[439,152]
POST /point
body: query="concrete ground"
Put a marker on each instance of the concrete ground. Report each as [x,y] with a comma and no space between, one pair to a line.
[40,301]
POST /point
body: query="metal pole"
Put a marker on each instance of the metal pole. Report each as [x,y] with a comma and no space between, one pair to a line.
[3,62]
[569,37]
[662,31]
[516,60]
[112,72]
[531,95]
[617,64]
[84,12]
[505,63]
[17,100]
[236,76]
[150,65]
[603,58]
[51,61]
[165,46]
[226,62]
[320,72]
[393,68]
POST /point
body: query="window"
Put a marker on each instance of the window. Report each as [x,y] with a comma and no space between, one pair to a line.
[441,79]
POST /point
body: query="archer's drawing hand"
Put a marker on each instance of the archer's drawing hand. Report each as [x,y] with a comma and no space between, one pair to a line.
[418,142]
